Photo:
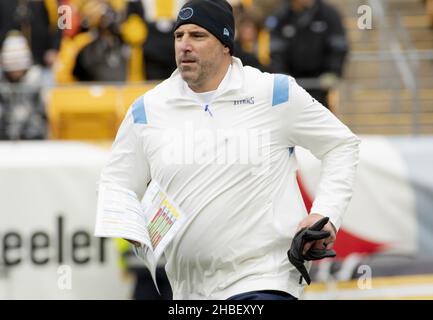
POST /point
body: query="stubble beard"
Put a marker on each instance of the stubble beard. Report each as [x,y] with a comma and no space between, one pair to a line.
[200,75]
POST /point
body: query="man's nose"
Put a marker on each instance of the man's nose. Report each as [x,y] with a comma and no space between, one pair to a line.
[185,44]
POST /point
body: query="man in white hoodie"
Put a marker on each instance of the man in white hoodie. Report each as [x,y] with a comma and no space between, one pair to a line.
[219,139]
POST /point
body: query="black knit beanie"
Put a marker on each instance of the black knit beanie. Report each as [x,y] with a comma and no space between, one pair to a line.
[216,16]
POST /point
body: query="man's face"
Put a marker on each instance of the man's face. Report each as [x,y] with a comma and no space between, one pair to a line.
[199,54]
[15,76]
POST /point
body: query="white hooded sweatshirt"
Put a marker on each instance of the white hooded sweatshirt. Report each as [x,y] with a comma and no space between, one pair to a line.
[231,165]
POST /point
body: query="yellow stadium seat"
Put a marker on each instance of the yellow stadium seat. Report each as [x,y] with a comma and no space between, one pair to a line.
[128,94]
[83,112]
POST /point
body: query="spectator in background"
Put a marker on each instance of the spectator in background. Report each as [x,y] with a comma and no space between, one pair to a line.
[86,16]
[308,41]
[252,40]
[22,112]
[37,20]
[105,57]
[263,7]
[158,48]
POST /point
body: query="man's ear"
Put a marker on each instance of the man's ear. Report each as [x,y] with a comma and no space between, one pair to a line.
[226,49]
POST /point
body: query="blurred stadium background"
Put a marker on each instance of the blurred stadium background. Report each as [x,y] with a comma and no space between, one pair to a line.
[48,181]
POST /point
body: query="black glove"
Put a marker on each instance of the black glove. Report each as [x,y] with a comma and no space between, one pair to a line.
[303,236]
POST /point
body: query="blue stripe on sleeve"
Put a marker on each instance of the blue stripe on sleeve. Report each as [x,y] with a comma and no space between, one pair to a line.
[138,111]
[281,89]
